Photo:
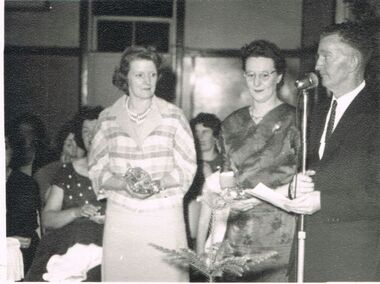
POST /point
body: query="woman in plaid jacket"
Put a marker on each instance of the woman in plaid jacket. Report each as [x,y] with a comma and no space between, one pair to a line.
[150,139]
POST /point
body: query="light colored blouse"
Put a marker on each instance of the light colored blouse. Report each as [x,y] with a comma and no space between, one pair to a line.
[162,144]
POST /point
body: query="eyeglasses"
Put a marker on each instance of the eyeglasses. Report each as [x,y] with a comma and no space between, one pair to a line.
[264,76]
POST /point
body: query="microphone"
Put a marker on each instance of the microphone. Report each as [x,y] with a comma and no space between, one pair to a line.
[308,81]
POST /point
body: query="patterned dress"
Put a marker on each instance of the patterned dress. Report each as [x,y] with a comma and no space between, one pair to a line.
[77,192]
[78,189]
[264,152]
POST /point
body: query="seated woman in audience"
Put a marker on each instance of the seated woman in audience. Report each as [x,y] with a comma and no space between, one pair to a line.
[22,204]
[260,145]
[34,153]
[66,151]
[206,127]
[72,213]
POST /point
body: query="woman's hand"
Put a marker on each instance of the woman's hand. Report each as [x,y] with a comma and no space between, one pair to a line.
[227,180]
[88,211]
[24,242]
[136,194]
[100,219]
[168,181]
[244,204]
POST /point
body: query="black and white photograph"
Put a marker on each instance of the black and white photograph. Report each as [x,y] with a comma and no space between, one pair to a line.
[190,141]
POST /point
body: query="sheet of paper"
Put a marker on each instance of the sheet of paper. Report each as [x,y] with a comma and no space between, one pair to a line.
[267,194]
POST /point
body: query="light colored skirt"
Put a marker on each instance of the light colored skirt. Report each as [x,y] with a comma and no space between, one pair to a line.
[127,255]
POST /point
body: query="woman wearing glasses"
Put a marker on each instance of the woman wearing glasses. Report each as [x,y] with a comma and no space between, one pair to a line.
[260,143]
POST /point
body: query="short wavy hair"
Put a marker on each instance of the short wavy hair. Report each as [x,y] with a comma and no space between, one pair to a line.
[120,74]
[356,35]
[208,120]
[40,140]
[264,48]
[85,113]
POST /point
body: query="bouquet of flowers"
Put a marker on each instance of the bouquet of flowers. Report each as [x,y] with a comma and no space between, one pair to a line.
[139,181]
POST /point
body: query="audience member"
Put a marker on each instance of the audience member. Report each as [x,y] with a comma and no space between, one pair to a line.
[33,152]
[72,213]
[66,152]
[206,127]
[22,205]
[143,158]
[343,231]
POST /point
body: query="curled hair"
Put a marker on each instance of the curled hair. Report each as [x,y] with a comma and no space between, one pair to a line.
[23,143]
[356,35]
[85,113]
[208,120]
[62,134]
[263,48]
[120,74]
[39,129]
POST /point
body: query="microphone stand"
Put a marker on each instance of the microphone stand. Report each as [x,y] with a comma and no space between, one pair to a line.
[301,230]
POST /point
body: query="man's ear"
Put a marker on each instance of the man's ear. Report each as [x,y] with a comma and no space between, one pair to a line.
[355,61]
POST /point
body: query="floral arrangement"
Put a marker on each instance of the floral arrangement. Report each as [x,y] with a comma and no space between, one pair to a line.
[219,257]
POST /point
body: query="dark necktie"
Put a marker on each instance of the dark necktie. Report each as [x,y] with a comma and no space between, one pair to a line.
[330,125]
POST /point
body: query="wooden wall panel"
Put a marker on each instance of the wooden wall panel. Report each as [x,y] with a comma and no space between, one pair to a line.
[46,85]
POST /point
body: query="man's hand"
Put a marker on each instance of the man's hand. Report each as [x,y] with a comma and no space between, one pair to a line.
[302,184]
[305,204]
[24,242]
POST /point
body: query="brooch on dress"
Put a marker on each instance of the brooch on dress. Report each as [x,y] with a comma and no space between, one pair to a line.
[276,127]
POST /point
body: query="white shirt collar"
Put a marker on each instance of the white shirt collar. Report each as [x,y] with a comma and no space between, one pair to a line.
[343,102]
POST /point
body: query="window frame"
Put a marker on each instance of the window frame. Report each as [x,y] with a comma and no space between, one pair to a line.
[133,20]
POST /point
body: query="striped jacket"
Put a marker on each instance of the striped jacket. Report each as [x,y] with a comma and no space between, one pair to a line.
[167,148]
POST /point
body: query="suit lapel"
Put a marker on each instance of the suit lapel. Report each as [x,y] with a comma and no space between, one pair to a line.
[351,117]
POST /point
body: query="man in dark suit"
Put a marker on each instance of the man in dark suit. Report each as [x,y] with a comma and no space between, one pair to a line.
[342,221]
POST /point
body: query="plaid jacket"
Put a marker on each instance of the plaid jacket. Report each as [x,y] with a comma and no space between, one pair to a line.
[167,148]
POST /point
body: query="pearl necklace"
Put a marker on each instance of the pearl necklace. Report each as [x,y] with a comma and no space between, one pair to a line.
[138,118]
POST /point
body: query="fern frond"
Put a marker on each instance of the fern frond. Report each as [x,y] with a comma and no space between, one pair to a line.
[218,259]
[261,257]
[185,258]
[233,269]
[235,265]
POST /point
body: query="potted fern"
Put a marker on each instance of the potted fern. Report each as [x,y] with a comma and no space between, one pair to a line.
[219,257]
